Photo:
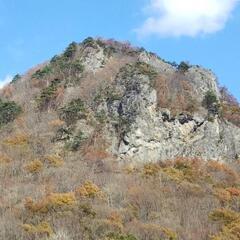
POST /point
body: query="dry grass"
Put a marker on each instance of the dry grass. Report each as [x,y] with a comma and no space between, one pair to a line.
[41,229]
[56,123]
[176,93]
[55,160]
[4,159]
[34,167]
[17,140]
[171,199]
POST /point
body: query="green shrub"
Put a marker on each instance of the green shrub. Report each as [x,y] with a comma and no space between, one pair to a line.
[63,134]
[8,112]
[129,70]
[47,94]
[183,67]
[42,72]
[109,51]
[72,112]
[173,64]
[77,66]
[55,59]
[101,116]
[211,103]
[89,42]
[69,68]
[71,50]
[74,143]
[146,69]
[16,78]
[117,236]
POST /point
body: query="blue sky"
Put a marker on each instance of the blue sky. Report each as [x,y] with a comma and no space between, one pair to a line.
[209,35]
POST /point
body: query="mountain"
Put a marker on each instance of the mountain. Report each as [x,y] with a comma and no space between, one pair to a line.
[109,141]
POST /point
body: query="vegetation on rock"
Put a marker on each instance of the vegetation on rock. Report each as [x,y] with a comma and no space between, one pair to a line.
[211,102]
[72,112]
[16,78]
[9,110]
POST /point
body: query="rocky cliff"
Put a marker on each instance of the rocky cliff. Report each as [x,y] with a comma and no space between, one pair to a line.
[149,109]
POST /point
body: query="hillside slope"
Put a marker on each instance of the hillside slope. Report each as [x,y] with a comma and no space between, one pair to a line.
[108,141]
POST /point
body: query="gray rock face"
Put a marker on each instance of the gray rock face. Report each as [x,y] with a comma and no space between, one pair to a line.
[148,133]
[92,58]
[202,80]
[157,63]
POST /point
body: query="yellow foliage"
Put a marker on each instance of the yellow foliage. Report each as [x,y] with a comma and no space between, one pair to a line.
[55,160]
[4,159]
[174,174]
[169,234]
[18,139]
[223,195]
[89,190]
[151,170]
[130,169]
[184,169]
[52,201]
[61,199]
[34,167]
[231,227]
[42,228]
[224,215]
[116,219]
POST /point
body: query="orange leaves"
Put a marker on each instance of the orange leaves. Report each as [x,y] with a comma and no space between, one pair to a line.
[218,166]
[227,194]
[235,192]
[53,201]
[222,173]
[89,190]
[223,195]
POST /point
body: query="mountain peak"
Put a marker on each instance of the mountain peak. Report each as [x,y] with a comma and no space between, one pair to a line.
[109,141]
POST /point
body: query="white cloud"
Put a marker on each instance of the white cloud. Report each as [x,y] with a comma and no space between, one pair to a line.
[5,81]
[186,17]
